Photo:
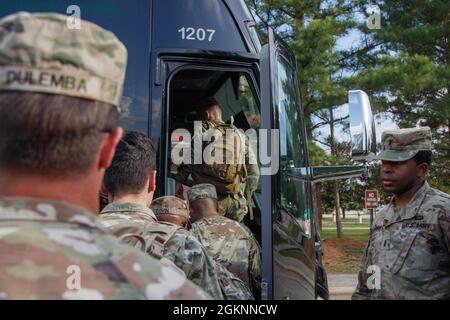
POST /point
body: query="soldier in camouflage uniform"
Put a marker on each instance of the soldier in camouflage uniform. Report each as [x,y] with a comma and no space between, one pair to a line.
[408,254]
[130,183]
[234,197]
[59,97]
[174,210]
[229,242]
[233,288]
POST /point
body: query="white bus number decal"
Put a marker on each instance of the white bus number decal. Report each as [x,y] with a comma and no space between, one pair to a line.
[199,34]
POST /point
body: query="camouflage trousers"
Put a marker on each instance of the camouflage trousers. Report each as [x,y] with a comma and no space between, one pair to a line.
[233,206]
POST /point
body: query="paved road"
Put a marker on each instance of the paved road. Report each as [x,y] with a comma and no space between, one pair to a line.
[341,286]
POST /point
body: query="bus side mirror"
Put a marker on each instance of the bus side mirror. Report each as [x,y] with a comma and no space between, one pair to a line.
[362,126]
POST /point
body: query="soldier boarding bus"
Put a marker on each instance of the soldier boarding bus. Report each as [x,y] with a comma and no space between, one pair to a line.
[183,51]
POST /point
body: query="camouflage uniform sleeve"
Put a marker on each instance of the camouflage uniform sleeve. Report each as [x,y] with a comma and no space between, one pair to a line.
[187,254]
[362,292]
[251,163]
[255,265]
[129,269]
[444,223]
[184,170]
[161,282]
[233,287]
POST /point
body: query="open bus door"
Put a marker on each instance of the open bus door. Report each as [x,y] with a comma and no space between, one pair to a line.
[267,201]
[288,230]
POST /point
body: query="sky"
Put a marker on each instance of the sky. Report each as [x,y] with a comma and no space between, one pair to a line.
[383,121]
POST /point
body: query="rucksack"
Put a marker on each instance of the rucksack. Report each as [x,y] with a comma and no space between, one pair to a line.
[151,239]
[232,287]
[225,177]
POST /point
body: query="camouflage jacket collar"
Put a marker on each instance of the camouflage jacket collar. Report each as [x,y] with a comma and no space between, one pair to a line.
[130,209]
[410,210]
[212,123]
[215,122]
[34,209]
[212,218]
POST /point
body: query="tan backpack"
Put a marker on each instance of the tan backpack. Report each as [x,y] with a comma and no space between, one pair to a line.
[226,177]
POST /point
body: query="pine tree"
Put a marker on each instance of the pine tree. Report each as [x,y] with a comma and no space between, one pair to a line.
[405,68]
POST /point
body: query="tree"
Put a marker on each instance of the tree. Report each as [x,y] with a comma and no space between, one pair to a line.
[318,157]
[311,28]
[405,67]
[339,151]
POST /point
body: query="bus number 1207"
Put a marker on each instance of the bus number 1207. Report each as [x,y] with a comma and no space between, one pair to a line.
[199,34]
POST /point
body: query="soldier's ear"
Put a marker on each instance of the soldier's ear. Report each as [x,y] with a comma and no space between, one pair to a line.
[422,169]
[207,115]
[103,189]
[216,204]
[152,181]
[108,148]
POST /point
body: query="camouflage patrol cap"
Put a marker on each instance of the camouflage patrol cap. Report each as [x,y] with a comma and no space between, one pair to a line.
[403,144]
[170,205]
[202,191]
[40,53]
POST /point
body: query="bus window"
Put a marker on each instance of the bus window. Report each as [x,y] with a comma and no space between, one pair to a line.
[292,151]
[291,140]
[249,104]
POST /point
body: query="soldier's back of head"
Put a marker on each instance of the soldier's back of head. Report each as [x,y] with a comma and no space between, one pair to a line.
[59,109]
[59,94]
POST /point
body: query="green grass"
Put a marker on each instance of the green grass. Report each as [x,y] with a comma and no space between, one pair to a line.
[347,266]
[347,225]
[362,235]
[349,222]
